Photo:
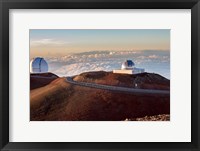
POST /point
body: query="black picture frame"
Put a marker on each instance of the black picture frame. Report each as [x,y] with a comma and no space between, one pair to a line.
[5,5]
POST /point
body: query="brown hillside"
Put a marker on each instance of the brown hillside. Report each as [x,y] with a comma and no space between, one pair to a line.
[142,80]
[60,100]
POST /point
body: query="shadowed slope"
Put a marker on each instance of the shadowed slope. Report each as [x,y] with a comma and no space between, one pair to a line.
[41,79]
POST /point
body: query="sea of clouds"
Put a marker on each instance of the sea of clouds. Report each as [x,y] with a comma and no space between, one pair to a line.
[73,64]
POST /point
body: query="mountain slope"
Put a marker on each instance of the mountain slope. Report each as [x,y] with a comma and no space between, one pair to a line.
[142,80]
[60,100]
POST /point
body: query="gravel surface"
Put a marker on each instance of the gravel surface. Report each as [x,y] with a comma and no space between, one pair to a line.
[162,117]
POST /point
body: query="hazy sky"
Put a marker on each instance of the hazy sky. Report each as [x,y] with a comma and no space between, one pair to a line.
[57,42]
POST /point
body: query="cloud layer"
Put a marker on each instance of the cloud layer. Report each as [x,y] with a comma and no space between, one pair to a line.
[152,61]
[47,42]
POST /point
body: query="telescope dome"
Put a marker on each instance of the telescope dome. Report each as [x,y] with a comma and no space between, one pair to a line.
[128,64]
[38,65]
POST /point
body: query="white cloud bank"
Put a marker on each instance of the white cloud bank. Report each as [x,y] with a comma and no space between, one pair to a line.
[48,42]
[152,61]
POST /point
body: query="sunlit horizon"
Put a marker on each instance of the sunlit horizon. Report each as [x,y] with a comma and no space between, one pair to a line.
[60,42]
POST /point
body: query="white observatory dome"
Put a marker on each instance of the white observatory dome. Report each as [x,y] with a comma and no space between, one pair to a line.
[38,65]
[128,64]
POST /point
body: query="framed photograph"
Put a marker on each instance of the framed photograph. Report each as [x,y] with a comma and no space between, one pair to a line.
[91,75]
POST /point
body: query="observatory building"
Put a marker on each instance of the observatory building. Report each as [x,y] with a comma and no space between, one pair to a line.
[38,65]
[128,67]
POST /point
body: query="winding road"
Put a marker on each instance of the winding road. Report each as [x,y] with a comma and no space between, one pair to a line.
[119,89]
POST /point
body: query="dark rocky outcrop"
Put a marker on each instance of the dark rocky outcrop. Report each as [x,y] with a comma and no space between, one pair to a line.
[38,80]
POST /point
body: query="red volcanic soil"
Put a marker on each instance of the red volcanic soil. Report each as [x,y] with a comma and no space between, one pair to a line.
[62,101]
[141,80]
[41,79]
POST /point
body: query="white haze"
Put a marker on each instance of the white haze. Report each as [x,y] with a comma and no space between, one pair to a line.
[73,64]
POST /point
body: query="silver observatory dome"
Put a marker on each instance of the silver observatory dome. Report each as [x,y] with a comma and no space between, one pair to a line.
[38,65]
[128,64]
